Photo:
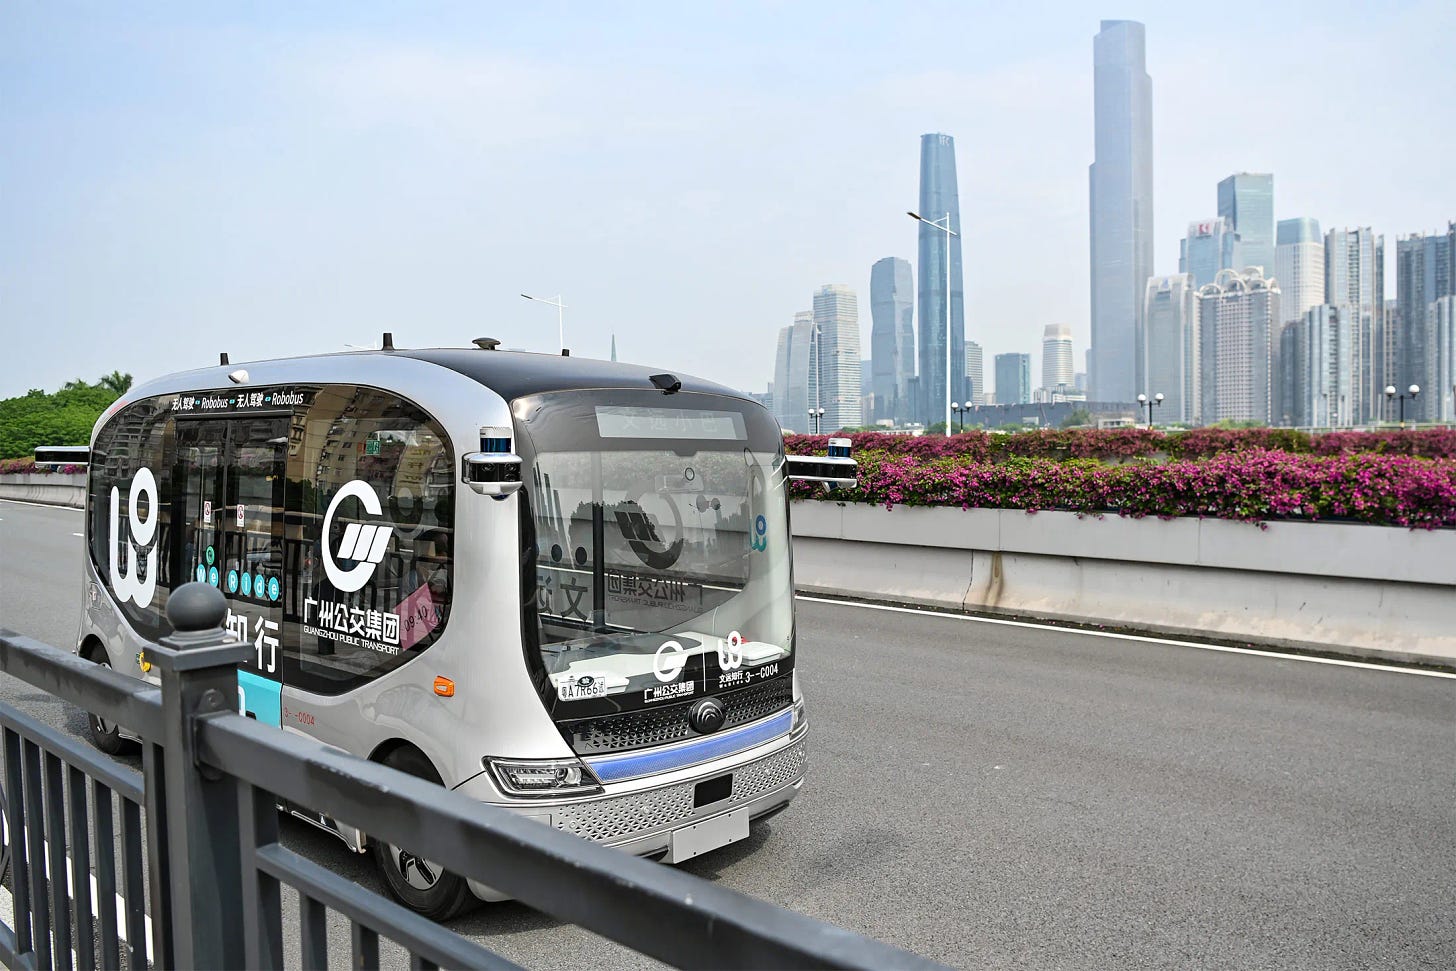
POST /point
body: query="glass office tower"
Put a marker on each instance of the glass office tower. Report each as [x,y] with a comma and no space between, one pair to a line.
[892,338]
[938,198]
[1121,196]
[1246,203]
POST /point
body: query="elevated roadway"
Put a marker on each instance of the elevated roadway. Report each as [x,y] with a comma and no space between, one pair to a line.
[1000,795]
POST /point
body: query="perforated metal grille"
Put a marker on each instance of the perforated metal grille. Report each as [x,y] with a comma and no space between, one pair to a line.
[660,726]
[618,817]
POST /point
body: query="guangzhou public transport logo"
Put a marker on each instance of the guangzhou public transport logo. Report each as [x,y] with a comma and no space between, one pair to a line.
[139,581]
[363,543]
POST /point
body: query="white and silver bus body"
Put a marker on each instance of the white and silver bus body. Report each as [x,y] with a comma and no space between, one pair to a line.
[344,504]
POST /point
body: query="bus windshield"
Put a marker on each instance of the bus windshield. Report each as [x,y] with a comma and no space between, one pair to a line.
[659,531]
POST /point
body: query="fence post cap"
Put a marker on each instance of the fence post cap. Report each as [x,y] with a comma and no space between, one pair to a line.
[196,607]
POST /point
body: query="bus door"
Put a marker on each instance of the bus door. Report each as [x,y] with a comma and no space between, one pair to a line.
[232,472]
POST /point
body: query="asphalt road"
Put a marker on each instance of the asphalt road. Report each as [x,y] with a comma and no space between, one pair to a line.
[992,795]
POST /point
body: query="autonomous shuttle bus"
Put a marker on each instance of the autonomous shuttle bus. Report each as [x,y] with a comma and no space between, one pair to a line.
[559,585]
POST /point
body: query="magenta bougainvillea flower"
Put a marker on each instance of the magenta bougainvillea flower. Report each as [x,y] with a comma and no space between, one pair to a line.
[1384,478]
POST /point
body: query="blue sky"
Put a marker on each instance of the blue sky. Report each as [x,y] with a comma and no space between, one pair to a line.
[181,179]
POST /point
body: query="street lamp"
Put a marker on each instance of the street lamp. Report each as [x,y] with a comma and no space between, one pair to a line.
[816,418]
[560,315]
[960,410]
[948,234]
[1143,402]
[1410,393]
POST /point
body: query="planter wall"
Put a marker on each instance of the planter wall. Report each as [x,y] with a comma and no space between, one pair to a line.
[53,490]
[1344,588]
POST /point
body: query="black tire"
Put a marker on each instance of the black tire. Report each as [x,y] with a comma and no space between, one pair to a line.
[421,885]
[105,735]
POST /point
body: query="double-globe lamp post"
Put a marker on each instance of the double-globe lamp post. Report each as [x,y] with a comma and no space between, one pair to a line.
[816,418]
[1410,393]
[1150,404]
[948,234]
[960,410]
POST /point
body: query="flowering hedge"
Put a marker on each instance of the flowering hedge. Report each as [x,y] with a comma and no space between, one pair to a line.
[1253,485]
[1129,443]
[15,466]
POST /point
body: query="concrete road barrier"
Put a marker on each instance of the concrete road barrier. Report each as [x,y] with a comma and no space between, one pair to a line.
[1374,591]
[52,490]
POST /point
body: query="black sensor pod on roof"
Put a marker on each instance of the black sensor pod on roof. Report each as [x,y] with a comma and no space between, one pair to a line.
[666,383]
[223,358]
[388,341]
[486,343]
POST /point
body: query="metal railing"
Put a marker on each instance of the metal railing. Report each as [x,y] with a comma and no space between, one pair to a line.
[202,868]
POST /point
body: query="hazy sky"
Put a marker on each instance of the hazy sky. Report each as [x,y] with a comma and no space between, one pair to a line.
[177,180]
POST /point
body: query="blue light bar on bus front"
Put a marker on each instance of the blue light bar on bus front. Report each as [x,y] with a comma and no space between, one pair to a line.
[615,768]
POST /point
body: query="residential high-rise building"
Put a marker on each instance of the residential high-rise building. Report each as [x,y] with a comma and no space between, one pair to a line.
[1056,356]
[1210,246]
[1013,379]
[1441,325]
[975,374]
[939,199]
[1425,271]
[1170,332]
[836,318]
[1120,185]
[1236,319]
[892,338]
[1320,366]
[1355,280]
[1299,266]
[1246,203]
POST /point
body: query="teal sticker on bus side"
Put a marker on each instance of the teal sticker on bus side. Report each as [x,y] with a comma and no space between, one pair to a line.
[260,698]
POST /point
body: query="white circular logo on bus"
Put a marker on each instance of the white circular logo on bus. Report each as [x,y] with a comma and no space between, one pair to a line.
[361,542]
[669,667]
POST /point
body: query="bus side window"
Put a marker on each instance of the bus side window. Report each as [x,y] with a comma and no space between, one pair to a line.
[132,457]
[375,480]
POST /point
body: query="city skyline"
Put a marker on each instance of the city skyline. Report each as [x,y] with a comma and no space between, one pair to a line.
[306,180]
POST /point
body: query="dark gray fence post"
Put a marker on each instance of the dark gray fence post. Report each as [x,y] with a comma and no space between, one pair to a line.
[199,676]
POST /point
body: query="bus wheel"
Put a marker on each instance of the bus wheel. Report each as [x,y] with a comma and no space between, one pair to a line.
[420,884]
[105,735]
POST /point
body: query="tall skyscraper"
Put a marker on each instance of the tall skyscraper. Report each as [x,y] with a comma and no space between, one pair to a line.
[1236,320]
[1056,356]
[803,374]
[1355,281]
[1171,343]
[1299,266]
[836,317]
[1425,271]
[781,394]
[1121,196]
[975,374]
[939,198]
[892,338]
[1013,379]
[1246,202]
[1210,246]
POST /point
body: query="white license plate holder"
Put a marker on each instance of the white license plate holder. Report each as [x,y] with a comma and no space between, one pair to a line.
[709,834]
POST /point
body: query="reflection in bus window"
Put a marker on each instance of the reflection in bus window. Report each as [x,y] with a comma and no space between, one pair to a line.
[372,582]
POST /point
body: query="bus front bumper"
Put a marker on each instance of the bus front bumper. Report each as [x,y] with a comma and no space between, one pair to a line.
[665,821]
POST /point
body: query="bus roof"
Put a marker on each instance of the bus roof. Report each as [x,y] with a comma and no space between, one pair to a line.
[515,374]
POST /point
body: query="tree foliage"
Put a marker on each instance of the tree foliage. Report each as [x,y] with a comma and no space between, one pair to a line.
[63,418]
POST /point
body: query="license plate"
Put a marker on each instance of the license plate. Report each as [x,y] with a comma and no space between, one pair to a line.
[581,686]
[699,838]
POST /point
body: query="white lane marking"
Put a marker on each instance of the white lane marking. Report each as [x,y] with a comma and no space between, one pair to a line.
[82,535]
[1221,648]
[43,505]
[7,904]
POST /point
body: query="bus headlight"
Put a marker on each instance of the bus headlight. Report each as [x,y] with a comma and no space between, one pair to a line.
[799,722]
[544,777]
